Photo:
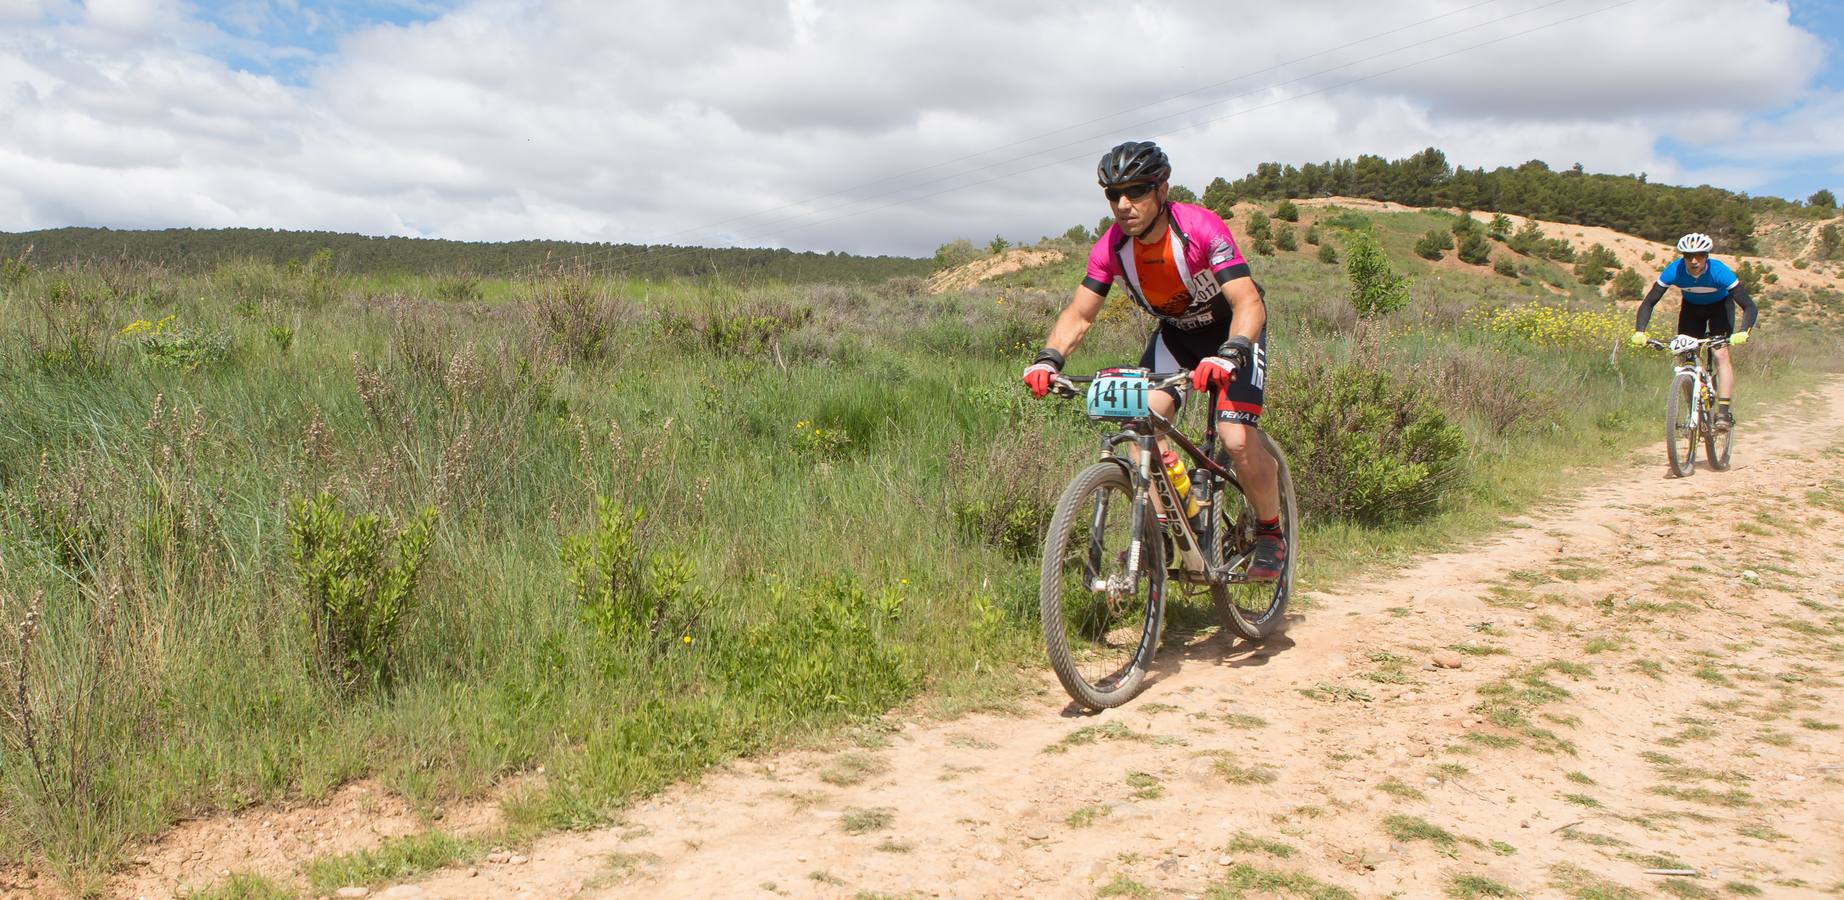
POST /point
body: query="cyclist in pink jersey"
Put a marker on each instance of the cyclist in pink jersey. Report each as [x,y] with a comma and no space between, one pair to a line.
[1180,264]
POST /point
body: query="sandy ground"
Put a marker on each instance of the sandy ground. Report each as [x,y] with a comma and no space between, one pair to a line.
[963,277]
[1666,655]
[1632,251]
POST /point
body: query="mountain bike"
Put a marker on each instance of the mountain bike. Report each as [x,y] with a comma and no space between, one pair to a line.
[1690,407]
[1112,548]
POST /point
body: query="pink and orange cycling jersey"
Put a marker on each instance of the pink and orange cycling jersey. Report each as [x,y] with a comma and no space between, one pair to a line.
[1181,283]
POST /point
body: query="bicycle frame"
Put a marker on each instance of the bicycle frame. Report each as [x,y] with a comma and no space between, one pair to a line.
[1149,478]
[1699,362]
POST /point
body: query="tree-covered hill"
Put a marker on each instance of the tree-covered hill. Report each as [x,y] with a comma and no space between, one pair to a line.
[192,249]
[1628,203]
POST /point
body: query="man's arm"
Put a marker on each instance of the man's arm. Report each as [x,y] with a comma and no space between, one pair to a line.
[1645,306]
[1741,298]
[1248,313]
[1075,320]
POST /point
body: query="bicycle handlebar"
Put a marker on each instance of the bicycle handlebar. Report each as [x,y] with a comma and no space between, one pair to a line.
[1066,385]
[1721,340]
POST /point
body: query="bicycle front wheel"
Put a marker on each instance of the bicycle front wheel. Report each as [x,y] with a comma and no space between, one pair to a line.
[1254,609]
[1680,434]
[1101,600]
[1716,443]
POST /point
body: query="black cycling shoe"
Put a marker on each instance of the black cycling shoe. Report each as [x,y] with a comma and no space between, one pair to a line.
[1725,419]
[1270,557]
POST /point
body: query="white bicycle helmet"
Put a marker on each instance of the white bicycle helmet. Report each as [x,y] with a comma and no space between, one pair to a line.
[1695,242]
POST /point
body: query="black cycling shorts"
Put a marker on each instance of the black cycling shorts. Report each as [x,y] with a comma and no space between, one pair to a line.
[1700,320]
[1171,349]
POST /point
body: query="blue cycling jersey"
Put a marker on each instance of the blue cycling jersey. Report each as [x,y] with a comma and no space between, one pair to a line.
[1713,287]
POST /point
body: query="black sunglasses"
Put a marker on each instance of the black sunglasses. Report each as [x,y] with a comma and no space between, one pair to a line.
[1131,192]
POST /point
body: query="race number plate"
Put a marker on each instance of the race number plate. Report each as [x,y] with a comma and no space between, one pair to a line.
[1119,396]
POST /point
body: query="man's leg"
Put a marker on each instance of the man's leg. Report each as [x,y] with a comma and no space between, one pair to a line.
[1725,388]
[1722,321]
[1259,473]
[1237,411]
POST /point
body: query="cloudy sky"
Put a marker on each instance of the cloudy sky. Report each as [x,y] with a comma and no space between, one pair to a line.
[870,127]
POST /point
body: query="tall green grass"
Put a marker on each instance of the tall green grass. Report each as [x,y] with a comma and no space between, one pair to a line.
[672,523]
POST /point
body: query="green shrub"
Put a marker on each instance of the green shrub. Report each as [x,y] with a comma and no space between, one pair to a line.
[1591,268]
[1500,229]
[1629,285]
[1363,448]
[165,344]
[1287,212]
[1328,253]
[1504,266]
[1218,198]
[460,288]
[1376,289]
[13,271]
[575,314]
[1475,249]
[1259,226]
[961,251]
[1557,249]
[1751,276]
[359,579]
[1527,240]
[1432,243]
[1312,234]
[634,598]
[1283,238]
[1263,246]
[1830,242]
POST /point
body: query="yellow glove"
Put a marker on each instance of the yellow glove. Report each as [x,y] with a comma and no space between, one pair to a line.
[1739,338]
[1639,339]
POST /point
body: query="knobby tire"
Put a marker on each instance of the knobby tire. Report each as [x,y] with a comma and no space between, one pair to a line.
[1680,439]
[1100,653]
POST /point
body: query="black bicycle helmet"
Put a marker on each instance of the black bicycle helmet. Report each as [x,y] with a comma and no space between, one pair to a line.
[1134,161]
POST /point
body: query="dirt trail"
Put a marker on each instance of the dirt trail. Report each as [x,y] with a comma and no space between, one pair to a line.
[1740,720]
[1651,677]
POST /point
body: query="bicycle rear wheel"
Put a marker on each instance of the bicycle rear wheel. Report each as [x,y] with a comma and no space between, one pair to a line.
[1253,609]
[1716,444]
[1101,603]
[1680,434]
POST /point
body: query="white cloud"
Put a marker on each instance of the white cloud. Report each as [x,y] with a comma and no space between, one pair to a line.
[641,122]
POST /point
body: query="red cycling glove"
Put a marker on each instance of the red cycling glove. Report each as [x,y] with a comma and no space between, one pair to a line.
[1043,371]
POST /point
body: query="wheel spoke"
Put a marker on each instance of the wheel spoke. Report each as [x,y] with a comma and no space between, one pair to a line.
[1096,609]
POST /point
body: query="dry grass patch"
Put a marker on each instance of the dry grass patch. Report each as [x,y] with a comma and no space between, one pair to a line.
[864,821]
[848,769]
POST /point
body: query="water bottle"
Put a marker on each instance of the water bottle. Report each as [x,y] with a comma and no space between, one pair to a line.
[1181,482]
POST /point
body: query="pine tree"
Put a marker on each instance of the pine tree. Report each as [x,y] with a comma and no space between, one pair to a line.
[1376,289]
[1219,198]
[1628,285]
[1432,243]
